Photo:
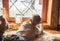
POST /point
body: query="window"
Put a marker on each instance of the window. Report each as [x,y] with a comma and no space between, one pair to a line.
[26,8]
[42,9]
[47,10]
[0,7]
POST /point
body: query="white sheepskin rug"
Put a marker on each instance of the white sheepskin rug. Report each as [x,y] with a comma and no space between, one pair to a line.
[48,37]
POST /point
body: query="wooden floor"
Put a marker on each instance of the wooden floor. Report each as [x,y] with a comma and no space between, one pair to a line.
[53,31]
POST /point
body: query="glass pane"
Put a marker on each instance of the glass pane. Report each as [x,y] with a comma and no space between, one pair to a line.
[28,14]
[0,7]
[25,7]
[13,11]
[20,6]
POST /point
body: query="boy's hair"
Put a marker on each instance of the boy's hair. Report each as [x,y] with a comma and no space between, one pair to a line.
[36,19]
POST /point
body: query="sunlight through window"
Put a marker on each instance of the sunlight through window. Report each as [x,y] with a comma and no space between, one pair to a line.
[26,8]
[0,7]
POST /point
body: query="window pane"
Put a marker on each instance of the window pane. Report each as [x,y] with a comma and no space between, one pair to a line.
[26,8]
[0,7]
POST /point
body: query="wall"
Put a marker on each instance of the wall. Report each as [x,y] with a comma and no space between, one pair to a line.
[59,16]
[59,12]
[54,13]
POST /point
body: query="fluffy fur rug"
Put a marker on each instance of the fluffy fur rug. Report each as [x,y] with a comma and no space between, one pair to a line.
[48,37]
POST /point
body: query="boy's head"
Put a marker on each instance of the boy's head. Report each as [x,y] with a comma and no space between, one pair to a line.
[35,19]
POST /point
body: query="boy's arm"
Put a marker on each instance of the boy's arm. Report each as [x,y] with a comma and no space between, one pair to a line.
[40,28]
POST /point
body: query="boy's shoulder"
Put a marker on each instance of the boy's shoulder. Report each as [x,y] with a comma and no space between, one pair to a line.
[26,24]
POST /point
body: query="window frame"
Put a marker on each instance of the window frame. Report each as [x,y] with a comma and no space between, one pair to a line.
[44,10]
